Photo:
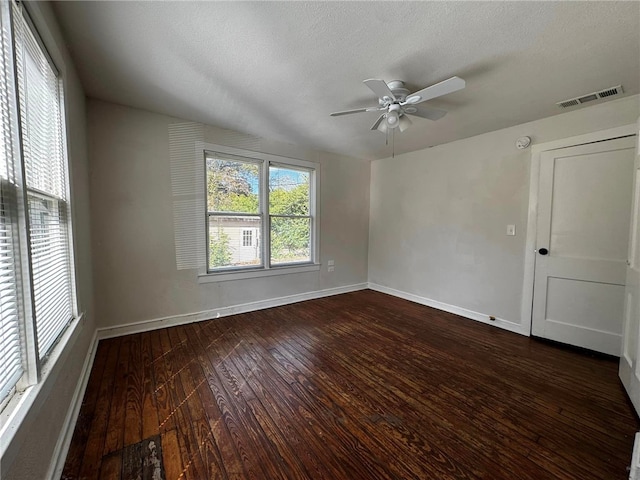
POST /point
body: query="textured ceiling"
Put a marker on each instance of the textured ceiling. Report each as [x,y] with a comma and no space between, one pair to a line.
[278,69]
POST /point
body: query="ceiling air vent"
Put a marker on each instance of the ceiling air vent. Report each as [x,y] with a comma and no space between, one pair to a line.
[568,103]
[607,92]
[610,91]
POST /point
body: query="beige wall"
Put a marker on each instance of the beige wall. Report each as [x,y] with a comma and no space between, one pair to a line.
[439,216]
[135,272]
[29,454]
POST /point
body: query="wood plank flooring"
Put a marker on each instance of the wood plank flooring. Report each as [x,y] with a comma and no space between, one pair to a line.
[356,386]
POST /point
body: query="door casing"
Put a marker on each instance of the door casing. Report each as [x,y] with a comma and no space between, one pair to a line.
[534,179]
[629,370]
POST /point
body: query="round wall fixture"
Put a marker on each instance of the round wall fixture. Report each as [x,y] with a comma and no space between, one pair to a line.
[523,142]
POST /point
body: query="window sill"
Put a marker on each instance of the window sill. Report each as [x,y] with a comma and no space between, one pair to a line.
[32,399]
[240,275]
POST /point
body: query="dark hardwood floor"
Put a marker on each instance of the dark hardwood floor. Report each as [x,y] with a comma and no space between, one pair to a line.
[356,386]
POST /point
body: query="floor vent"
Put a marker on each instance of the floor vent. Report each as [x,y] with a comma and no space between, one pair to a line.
[607,92]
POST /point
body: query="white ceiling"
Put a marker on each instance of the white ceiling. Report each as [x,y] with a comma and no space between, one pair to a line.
[278,69]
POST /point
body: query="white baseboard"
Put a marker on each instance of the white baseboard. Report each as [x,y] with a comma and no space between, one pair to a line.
[164,322]
[463,312]
[64,440]
[632,387]
[634,470]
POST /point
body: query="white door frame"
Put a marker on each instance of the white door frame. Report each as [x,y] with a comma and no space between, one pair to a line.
[534,179]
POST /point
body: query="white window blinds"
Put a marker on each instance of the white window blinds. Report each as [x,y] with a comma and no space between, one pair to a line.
[40,100]
[10,342]
[10,348]
[37,295]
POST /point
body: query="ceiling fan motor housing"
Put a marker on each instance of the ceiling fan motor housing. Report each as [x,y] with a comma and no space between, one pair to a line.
[399,91]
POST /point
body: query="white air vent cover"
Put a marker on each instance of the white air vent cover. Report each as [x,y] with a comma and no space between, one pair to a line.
[607,92]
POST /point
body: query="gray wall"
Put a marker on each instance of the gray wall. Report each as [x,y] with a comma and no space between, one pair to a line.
[135,272]
[29,453]
[438,216]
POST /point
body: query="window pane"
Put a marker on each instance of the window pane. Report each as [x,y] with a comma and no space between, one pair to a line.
[51,269]
[41,119]
[288,191]
[232,185]
[40,98]
[10,346]
[7,98]
[10,342]
[234,241]
[290,240]
[247,238]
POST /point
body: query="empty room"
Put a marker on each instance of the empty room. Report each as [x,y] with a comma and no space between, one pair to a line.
[319,240]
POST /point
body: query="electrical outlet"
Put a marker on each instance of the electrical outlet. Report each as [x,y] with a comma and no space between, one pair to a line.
[511,230]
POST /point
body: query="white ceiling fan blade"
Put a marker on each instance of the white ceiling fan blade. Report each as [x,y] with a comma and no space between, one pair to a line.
[358,110]
[380,88]
[426,112]
[445,87]
[405,122]
[375,125]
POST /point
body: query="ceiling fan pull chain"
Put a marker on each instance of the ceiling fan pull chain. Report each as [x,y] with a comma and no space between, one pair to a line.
[393,143]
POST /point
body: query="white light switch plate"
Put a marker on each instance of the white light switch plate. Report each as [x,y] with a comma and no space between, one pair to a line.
[511,230]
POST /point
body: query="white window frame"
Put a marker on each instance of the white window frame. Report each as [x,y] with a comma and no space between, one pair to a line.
[36,368]
[266,269]
[259,213]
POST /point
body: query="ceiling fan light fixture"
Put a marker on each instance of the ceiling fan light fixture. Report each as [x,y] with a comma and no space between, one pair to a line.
[413,99]
[393,119]
[404,123]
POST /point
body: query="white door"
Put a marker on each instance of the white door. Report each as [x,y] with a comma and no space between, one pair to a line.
[584,209]
[629,364]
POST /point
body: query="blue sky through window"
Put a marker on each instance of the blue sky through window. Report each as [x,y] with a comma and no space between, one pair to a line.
[287,178]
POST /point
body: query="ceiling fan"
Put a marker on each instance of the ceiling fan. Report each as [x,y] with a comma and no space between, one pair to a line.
[396,103]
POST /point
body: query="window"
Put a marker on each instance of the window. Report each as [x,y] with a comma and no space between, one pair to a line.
[289,214]
[259,201]
[233,202]
[36,280]
[11,345]
[247,238]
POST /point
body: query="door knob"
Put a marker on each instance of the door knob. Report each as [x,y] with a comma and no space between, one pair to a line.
[543,251]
